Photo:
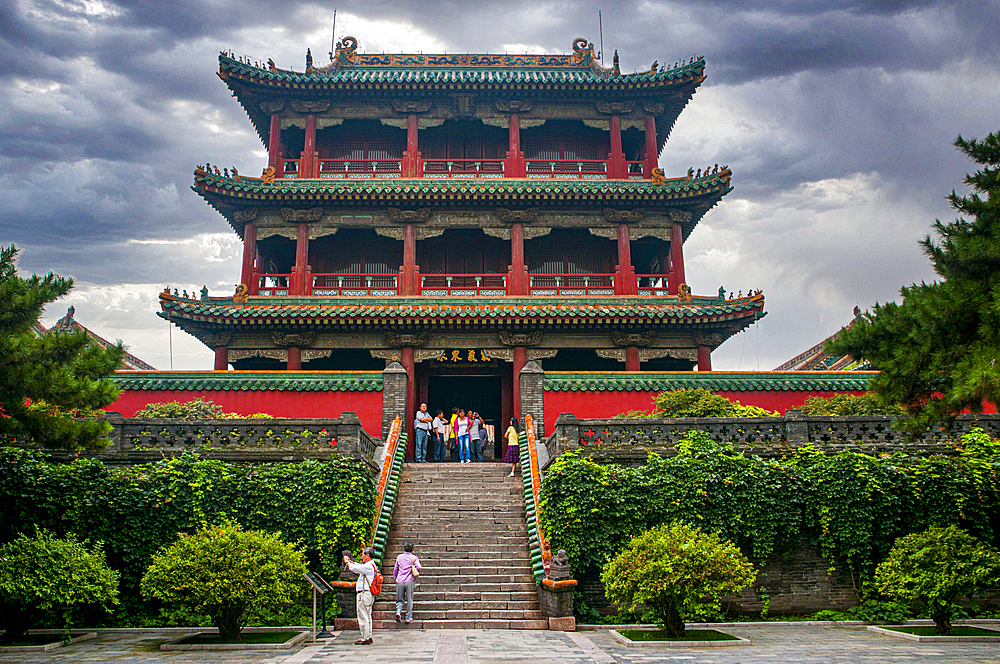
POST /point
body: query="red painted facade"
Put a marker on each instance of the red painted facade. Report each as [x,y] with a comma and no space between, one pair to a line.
[368,405]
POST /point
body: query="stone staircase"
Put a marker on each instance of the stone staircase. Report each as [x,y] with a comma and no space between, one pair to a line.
[467,524]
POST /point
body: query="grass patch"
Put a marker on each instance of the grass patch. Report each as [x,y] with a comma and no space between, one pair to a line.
[689,635]
[928,630]
[252,638]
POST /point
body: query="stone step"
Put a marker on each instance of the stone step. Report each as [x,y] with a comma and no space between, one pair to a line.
[463,614]
[446,605]
[470,587]
[431,594]
[462,624]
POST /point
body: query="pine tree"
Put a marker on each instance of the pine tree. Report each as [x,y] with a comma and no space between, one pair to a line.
[937,350]
[45,381]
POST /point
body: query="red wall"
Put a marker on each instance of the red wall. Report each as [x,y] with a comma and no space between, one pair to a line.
[593,404]
[279,403]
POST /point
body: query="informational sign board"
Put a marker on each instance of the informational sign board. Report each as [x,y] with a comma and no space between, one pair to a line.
[318,582]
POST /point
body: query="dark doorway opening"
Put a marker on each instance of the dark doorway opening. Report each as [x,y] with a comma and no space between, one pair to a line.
[480,393]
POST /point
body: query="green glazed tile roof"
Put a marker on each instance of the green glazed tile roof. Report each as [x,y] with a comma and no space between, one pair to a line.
[486,69]
[298,381]
[499,189]
[734,381]
[457,310]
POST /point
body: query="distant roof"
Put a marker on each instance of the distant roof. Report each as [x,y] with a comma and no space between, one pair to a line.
[817,359]
[69,324]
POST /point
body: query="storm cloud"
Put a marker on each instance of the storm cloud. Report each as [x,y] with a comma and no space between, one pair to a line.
[837,119]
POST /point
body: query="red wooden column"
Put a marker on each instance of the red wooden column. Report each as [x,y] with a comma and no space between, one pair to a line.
[408,286]
[676,277]
[617,170]
[517,285]
[301,267]
[274,143]
[514,165]
[406,359]
[647,170]
[632,358]
[308,161]
[520,359]
[411,165]
[294,359]
[704,358]
[629,286]
[249,255]
[221,358]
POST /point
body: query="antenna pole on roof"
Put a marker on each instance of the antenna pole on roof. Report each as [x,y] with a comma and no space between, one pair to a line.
[333,40]
[600,24]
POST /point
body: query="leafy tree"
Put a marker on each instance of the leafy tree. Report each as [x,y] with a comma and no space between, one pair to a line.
[848,404]
[44,573]
[226,573]
[672,569]
[43,380]
[936,351]
[934,567]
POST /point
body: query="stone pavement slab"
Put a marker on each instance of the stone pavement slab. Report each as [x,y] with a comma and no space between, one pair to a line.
[772,644]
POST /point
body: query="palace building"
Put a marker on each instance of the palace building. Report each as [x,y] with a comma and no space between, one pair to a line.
[464,215]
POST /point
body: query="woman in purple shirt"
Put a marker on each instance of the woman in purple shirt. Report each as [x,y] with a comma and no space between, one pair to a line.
[406,570]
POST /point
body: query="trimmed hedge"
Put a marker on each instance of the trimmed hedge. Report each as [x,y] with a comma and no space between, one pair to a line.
[326,505]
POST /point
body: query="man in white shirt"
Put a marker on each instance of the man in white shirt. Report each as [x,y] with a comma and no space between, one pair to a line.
[365,599]
[421,431]
[441,426]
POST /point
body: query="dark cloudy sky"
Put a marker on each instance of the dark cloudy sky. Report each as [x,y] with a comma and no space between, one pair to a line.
[836,117]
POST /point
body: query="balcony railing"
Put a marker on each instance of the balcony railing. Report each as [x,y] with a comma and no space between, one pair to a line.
[467,169]
[653,285]
[273,285]
[636,170]
[469,285]
[360,169]
[584,169]
[289,168]
[355,285]
[571,284]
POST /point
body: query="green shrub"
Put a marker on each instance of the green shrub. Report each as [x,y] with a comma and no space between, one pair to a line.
[934,567]
[703,403]
[195,409]
[46,573]
[674,568]
[326,505]
[227,573]
[849,404]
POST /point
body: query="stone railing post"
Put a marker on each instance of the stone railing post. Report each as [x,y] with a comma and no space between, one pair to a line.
[532,396]
[393,396]
[349,432]
[118,422]
[796,428]
[567,434]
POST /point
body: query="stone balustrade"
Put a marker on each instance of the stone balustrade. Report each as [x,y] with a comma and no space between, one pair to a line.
[629,440]
[138,440]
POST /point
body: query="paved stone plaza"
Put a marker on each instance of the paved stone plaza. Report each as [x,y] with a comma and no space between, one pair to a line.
[772,644]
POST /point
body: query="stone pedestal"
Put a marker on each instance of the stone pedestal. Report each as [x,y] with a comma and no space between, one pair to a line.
[346,598]
[556,600]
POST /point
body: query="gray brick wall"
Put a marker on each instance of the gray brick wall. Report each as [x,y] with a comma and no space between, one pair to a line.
[393,396]
[533,397]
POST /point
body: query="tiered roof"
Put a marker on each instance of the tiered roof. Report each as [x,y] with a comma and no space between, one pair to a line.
[226,194]
[574,75]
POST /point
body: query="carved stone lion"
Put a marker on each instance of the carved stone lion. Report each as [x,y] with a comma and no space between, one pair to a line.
[559,567]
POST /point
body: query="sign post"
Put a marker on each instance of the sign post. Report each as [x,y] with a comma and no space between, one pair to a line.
[320,586]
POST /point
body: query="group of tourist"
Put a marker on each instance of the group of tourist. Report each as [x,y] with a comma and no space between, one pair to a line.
[463,436]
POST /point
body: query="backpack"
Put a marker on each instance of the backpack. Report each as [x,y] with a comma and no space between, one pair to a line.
[376,584]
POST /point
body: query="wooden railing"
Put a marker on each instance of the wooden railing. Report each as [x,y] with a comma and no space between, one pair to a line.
[347,284]
[654,285]
[289,168]
[360,168]
[388,485]
[636,170]
[470,285]
[567,168]
[571,284]
[463,168]
[531,478]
